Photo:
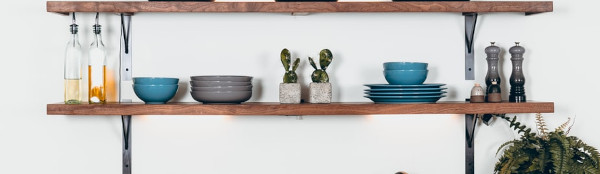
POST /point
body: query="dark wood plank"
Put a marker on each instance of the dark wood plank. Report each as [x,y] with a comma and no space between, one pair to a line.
[298,109]
[281,7]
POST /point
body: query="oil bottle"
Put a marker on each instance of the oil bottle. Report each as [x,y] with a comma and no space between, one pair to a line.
[73,65]
[97,67]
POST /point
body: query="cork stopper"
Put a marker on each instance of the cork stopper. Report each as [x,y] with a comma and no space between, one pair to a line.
[477,84]
[74,28]
[97,27]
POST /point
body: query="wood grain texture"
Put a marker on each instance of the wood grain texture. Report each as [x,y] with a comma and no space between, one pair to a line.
[529,7]
[298,109]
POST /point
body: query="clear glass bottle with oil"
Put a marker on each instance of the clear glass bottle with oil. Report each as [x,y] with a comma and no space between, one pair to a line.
[73,65]
[97,67]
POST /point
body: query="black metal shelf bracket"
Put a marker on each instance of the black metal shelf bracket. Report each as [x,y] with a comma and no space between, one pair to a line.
[470,26]
[126,64]
[470,124]
[126,122]
[125,75]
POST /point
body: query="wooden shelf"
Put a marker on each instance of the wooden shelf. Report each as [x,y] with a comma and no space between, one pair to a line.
[298,109]
[528,7]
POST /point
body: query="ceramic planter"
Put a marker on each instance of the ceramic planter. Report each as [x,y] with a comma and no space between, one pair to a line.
[320,92]
[289,93]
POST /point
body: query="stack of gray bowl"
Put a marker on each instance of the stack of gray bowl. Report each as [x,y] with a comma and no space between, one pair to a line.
[221,89]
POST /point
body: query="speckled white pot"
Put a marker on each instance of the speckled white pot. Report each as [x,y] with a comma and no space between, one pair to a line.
[320,93]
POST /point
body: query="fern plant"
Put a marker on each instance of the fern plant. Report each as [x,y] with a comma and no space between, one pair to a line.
[547,152]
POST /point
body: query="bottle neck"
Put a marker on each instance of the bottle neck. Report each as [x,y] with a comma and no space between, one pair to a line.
[75,37]
[74,42]
[98,39]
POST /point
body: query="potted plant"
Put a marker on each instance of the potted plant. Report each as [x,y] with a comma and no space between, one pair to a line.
[546,153]
[289,90]
[320,88]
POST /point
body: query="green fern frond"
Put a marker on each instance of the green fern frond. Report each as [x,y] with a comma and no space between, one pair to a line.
[589,169]
[561,152]
[505,144]
[590,151]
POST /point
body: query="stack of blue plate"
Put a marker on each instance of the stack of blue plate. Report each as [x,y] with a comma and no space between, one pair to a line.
[423,93]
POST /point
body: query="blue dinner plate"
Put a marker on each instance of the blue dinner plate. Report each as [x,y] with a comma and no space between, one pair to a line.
[404,93]
[405,99]
[406,90]
[379,86]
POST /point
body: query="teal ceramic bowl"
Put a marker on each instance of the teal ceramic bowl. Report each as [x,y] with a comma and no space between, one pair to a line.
[155,81]
[155,94]
[405,77]
[405,66]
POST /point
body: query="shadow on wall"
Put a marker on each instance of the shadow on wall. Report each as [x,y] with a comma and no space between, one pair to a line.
[505,82]
[257,89]
[181,92]
[333,76]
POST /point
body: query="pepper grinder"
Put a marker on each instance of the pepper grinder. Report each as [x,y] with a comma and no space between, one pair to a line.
[517,79]
[493,56]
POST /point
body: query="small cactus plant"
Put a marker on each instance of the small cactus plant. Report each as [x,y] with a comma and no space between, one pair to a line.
[290,76]
[319,75]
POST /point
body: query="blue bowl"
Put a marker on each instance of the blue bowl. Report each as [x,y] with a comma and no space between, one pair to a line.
[155,94]
[155,81]
[405,77]
[405,66]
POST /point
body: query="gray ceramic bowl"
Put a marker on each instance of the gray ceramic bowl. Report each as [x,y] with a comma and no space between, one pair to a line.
[218,83]
[221,97]
[223,88]
[222,78]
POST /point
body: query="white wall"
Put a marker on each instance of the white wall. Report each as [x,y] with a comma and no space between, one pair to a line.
[560,66]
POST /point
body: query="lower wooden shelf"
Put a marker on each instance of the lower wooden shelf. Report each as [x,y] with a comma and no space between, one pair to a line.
[299,109]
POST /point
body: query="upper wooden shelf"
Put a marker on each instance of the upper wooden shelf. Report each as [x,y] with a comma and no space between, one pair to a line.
[299,109]
[528,7]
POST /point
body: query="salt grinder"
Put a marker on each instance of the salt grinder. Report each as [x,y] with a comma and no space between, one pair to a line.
[493,56]
[517,79]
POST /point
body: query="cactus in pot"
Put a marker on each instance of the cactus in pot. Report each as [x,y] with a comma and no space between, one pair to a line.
[289,90]
[319,75]
[320,88]
[290,76]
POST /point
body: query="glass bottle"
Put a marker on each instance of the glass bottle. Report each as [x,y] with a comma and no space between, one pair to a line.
[73,63]
[97,67]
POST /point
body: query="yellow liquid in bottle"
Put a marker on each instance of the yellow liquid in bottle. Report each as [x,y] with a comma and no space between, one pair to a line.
[72,91]
[96,89]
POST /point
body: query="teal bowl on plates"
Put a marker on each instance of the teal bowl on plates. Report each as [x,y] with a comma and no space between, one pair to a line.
[405,66]
[155,81]
[405,77]
[155,94]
